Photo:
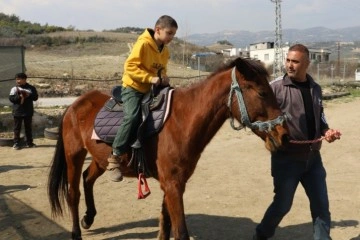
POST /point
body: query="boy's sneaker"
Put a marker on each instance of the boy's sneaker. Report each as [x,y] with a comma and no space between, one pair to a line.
[113,168]
[31,145]
[16,146]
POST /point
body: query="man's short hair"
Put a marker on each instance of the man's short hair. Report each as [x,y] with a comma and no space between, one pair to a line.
[300,48]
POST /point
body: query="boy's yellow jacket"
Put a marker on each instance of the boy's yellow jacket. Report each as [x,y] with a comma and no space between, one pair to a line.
[144,62]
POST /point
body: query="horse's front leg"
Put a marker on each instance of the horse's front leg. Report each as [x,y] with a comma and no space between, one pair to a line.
[173,212]
[164,223]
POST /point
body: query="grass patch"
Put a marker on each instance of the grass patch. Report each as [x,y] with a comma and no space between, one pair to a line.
[355,92]
[5,109]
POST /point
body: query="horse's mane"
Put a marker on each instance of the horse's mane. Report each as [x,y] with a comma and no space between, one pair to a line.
[250,68]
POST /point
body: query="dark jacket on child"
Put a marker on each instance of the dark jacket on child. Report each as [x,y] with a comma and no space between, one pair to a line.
[27,107]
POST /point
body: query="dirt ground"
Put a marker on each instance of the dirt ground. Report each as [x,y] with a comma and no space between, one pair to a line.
[225,198]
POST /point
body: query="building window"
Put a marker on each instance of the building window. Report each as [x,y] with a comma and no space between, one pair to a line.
[266,57]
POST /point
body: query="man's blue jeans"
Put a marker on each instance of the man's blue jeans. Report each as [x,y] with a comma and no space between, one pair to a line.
[287,174]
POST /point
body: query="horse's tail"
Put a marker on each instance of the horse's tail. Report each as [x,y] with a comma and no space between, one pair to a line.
[57,182]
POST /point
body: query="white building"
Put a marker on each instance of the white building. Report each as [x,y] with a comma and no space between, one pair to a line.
[235,52]
[265,52]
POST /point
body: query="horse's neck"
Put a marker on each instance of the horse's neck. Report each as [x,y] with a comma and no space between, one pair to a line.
[203,108]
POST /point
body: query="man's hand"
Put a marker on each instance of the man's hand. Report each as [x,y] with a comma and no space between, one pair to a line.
[331,135]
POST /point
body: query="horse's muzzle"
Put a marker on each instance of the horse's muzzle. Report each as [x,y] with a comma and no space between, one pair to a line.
[277,139]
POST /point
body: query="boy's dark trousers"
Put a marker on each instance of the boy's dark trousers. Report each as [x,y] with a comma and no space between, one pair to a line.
[28,129]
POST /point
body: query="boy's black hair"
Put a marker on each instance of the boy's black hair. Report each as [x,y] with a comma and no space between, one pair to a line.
[166,21]
[21,75]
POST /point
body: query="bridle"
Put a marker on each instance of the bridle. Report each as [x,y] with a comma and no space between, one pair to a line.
[245,121]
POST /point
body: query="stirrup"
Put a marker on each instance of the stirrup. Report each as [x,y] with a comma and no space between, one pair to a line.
[142,181]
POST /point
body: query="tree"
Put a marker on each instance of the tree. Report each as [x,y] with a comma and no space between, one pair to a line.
[225,42]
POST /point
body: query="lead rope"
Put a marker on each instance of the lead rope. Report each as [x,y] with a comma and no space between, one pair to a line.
[307,141]
[335,133]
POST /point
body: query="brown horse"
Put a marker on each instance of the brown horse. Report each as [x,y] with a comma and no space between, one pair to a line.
[239,90]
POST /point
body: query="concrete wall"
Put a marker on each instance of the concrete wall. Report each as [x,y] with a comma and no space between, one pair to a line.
[12,61]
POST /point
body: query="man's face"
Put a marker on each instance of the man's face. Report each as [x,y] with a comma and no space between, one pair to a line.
[20,81]
[296,65]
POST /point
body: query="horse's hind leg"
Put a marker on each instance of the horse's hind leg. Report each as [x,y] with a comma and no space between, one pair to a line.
[89,177]
[75,162]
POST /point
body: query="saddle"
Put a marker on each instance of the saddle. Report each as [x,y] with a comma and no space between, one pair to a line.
[155,108]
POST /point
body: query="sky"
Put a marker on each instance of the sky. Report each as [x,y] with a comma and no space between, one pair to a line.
[192,16]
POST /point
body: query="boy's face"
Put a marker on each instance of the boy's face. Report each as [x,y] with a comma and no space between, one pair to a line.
[166,35]
[20,81]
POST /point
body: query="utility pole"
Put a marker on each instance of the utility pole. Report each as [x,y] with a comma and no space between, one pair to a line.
[338,59]
[278,52]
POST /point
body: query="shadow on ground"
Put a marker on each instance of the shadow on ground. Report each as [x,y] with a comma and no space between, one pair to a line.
[210,227]
[19,221]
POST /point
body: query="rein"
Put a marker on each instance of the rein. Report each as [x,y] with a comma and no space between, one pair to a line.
[245,121]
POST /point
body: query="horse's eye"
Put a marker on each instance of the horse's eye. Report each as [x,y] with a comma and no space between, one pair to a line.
[262,94]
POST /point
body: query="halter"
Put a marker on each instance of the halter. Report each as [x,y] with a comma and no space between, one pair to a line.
[245,121]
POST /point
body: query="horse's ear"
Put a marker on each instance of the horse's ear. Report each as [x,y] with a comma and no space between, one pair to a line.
[251,68]
[243,67]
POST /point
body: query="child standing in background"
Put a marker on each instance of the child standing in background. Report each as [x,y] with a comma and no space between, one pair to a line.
[22,97]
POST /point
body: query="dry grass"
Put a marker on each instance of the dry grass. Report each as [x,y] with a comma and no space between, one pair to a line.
[57,72]
[95,61]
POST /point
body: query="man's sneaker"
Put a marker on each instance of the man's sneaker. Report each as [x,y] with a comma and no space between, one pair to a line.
[31,145]
[113,168]
[16,146]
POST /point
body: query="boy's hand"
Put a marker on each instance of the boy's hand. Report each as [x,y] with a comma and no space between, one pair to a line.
[155,80]
[164,81]
[24,94]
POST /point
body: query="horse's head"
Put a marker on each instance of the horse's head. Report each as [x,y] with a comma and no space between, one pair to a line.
[253,103]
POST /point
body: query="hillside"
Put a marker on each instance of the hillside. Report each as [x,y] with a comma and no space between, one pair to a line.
[309,35]
[318,37]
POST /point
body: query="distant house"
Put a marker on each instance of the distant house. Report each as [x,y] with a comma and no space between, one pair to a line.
[198,60]
[319,55]
[265,52]
[236,52]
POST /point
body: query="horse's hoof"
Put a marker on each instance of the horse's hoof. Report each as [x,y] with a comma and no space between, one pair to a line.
[84,225]
[73,237]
